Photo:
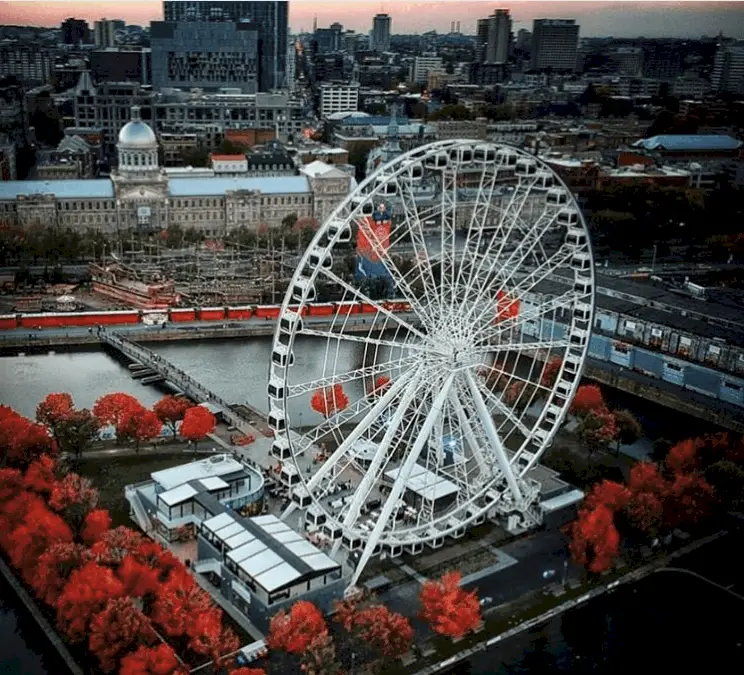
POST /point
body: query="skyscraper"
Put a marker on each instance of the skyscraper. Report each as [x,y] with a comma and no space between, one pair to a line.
[381,33]
[499,37]
[728,69]
[271,23]
[74,31]
[555,43]
[104,33]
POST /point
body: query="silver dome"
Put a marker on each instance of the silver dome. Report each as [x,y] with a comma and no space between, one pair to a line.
[137,134]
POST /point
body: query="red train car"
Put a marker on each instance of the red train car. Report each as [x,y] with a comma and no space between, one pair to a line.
[321,309]
[239,313]
[181,315]
[367,308]
[347,307]
[212,313]
[267,312]
[116,318]
[8,321]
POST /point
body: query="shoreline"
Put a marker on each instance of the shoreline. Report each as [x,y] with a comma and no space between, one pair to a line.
[30,605]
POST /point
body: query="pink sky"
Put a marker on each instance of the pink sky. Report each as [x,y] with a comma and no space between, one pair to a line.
[596,18]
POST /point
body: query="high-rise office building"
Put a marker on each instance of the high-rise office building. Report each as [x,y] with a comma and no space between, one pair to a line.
[728,69]
[75,31]
[329,39]
[381,33]
[555,44]
[104,33]
[209,55]
[270,19]
[494,37]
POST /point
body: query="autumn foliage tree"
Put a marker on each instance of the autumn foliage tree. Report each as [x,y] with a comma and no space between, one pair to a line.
[388,632]
[112,408]
[54,408]
[327,401]
[550,372]
[116,629]
[588,398]
[170,411]
[21,440]
[597,428]
[295,631]
[380,385]
[160,660]
[595,541]
[449,609]
[139,425]
[197,424]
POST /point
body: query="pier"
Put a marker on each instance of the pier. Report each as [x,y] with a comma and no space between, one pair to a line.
[158,369]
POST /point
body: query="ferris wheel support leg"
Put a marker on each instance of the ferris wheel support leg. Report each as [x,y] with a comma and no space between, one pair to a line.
[382,452]
[403,476]
[493,436]
[470,437]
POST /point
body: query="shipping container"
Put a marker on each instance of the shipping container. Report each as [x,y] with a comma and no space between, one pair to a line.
[267,312]
[240,313]
[181,315]
[212,313]
[8,321]
[321,309]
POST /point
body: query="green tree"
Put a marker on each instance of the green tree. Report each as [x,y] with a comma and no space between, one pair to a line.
[727,480]
[289,220]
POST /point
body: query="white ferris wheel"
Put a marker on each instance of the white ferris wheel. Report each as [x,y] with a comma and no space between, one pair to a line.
[448,365]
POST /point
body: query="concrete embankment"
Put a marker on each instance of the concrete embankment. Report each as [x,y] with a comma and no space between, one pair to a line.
[40,619]
[39,340]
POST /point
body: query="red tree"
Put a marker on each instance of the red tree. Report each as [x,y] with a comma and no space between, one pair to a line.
[95,525]
[178,600]
[197,423]
[40,476]
[248,671]
[588,397]
[40,529]
[54,567]
[160,660]
[388,632]
[115,545]
[597,428]
[607,493]
[86,593]
[380,385]
[684,457]
[645,511]
[74,497]
[447,608]
[595,541]
[645,477]
[690,499]
[170,411]
[329,400]
[111,408]
[22,441]
[139,425]
[294,632]
[138,579]
[52,409]
[116,629]
[208,637]
[550,372]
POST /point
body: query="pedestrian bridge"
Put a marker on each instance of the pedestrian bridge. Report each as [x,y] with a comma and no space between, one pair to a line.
[171,373]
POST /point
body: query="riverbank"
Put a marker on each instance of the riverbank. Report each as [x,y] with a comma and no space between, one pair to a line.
[41,621]
[512,619]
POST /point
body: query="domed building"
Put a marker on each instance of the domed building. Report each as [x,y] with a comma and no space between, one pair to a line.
[140,195]
[137,146]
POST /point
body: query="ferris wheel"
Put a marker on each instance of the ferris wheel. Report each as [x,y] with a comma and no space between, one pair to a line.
[420,403]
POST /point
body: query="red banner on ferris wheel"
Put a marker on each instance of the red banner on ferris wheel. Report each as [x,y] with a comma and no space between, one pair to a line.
[374,235]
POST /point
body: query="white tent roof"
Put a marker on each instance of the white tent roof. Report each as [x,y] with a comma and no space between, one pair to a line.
[425,483]
[177,495]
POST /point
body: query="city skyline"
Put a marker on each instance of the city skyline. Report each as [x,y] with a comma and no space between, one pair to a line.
[604,18]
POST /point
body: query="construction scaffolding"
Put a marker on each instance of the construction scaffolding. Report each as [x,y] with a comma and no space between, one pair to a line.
[205,274]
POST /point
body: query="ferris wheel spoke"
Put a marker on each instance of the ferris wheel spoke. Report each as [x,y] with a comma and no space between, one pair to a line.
[364,298]
[528,281]
[403,477]
[517,324]
[375,409]
[497,446]
[368,340]
[382,454]
[513,377]
[470,439]
[501,408]
[348,376]
[516,347]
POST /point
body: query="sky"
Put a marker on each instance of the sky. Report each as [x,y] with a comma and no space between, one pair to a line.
[603,18]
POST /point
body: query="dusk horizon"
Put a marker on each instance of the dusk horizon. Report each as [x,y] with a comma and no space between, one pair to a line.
[597,19]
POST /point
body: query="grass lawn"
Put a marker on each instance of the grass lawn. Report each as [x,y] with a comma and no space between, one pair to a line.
[111,474]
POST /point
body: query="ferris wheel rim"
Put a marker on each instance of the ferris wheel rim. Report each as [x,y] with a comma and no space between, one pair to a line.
[391,171]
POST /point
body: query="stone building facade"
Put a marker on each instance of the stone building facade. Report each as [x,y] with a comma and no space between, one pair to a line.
[141,196]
